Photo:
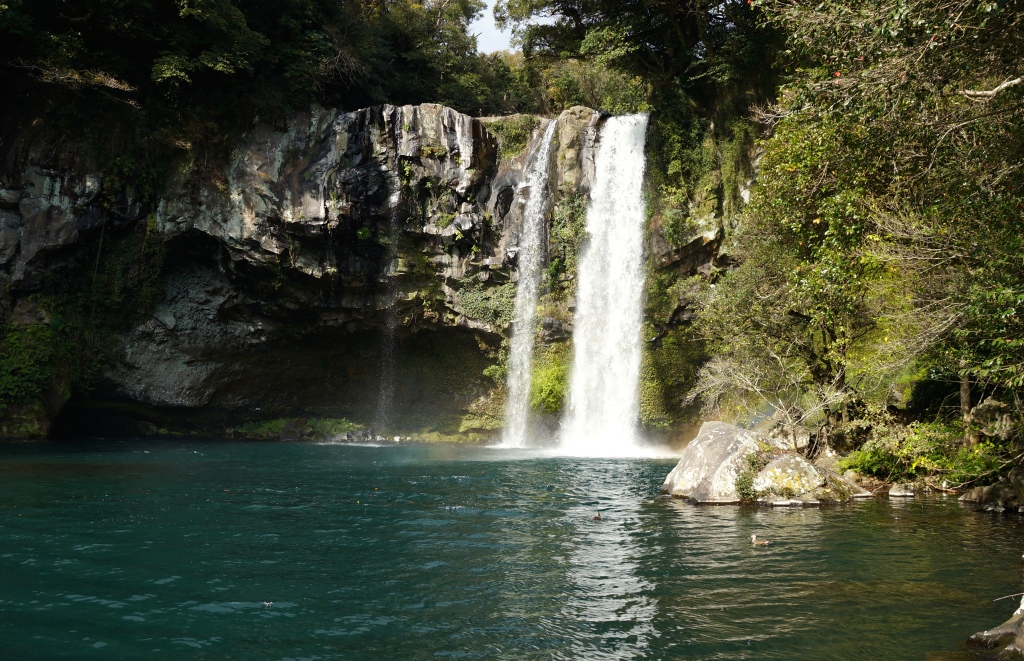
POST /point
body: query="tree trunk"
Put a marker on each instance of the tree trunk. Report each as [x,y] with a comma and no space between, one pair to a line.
[970,437]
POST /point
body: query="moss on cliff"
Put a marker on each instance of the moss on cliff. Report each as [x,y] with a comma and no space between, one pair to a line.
[513,134]
[486,414]
[493,305]
[26,357]
[568,228]
[297,428]
[550,384]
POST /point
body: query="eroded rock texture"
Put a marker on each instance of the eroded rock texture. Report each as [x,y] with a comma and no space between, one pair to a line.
[727,464]
[282,269]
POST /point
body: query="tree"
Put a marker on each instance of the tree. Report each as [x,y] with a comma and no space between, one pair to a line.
[191,74]
[891,189]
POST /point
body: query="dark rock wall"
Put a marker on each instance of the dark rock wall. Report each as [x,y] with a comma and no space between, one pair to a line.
[280,271]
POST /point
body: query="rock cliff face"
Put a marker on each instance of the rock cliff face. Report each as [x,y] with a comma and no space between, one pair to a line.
[287,273]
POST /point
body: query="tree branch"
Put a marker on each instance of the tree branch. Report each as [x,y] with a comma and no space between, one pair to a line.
[985,95]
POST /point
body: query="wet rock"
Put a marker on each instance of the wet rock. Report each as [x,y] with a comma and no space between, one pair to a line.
[791,479]
[901,490]
[165,317]
[10,235]
[1008,636]
[782,429]
[293,430]
[27,313]
[9,197]
[999,495]
[1016,480]
[47,210]
[790,502]
[996,419]
[790,474]
[554,330]
[711,464]
[707,471]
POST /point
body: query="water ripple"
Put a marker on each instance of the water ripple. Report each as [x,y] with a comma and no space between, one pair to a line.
[338,552]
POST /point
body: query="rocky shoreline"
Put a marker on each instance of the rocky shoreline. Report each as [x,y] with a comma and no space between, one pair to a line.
[726,464]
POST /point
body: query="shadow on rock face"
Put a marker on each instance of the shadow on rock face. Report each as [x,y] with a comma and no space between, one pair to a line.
[331,374]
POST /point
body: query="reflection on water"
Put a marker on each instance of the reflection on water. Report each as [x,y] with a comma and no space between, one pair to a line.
[608,601]
[148,550]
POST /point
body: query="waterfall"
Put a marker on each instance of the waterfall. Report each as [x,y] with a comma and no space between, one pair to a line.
[386,394]
[604,398]
[530,260]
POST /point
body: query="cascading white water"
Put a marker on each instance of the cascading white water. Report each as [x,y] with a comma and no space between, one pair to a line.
[529,258]
[604,399]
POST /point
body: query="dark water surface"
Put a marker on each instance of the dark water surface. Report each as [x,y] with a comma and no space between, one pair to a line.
[168,550]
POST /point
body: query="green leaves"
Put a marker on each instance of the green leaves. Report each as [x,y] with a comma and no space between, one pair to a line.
[933,449]
[892,202]
[26,353]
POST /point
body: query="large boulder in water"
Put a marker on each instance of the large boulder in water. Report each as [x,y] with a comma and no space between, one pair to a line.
[719,467]
[709,466]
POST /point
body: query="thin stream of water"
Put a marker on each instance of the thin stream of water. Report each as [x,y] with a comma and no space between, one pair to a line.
[389,339]
[530,261]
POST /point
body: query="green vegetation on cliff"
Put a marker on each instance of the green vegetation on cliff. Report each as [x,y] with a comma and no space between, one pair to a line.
[549,388]
[513,133]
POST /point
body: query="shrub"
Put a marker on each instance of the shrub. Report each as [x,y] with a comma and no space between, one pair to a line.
[567,231]
[513,134]
[331,426]
[492,305]
[928,450]
[26,354]
[755,463]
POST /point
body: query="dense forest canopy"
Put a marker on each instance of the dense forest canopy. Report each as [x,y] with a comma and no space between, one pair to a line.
[191,71]
[882,252]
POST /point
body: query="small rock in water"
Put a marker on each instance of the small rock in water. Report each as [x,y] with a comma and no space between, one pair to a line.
[1009,635]
[901,490]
